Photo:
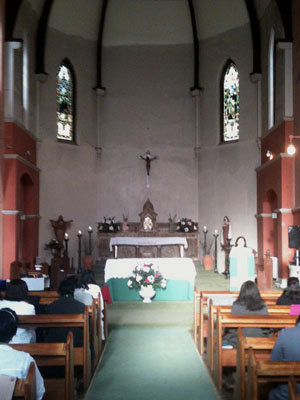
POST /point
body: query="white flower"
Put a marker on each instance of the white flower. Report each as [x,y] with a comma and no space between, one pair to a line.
[178,227]
[138,278]
[189,223]
[129,283]
[195,227]
[146,269]
[163,283]
[101,227]
[186,229]
[151,278]
[182,222]
[111,228]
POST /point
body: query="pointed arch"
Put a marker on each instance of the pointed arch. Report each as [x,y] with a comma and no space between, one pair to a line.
[230,103]
[65,102]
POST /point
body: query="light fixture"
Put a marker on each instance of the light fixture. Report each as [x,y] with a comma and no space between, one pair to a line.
[291,149]
[270,155]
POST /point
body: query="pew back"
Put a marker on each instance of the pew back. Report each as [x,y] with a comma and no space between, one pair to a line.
[26,388]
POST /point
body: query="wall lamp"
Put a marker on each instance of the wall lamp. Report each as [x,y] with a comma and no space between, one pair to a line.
[291,149]
[270,155]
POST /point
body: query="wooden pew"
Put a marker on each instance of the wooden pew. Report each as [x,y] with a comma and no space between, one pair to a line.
[82,355]
[201,299]
[227,357]
[264,372]
[262,347]
[54,354]
[26,388]
[293,390]
[273,309]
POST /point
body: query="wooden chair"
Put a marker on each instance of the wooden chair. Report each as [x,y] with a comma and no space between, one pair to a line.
[211,338]
[26,388]
[227,357]
[262,347]
[54,354]
[82,355]
[262,373]
[201,300]
[293,389]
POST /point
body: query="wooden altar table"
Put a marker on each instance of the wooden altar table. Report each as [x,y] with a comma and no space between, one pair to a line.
[147,241]
[179,272]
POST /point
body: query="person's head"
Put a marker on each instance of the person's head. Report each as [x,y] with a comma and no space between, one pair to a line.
[8,324]
[16,290]
[87,278]
[292,280]
[249,296]
[293,289]
[75,281]
[66,288]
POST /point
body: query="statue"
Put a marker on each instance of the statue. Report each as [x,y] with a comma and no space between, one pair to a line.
[125,227]
[148,158]
[60,227]
[225,243]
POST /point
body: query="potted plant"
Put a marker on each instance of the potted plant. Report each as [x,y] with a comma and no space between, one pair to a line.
[146,278]
[207,259]
[186,225]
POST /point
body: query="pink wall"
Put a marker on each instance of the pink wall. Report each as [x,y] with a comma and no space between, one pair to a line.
[21,197]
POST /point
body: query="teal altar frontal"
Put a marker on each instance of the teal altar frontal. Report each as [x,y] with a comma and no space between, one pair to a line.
[180,274]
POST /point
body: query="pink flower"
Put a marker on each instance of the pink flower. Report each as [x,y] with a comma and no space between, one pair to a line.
[156,275]
[147,280]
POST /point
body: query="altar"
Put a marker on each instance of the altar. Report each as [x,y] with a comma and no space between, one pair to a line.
[180,274]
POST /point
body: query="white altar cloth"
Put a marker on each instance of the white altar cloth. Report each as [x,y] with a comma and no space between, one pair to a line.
[147,241]
[175,268]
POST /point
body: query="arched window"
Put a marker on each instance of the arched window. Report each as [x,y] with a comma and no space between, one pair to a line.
[65,104]
[230,98]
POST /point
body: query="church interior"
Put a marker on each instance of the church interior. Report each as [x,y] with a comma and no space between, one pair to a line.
[123,121]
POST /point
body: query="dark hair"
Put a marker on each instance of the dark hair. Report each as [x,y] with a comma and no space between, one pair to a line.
[86,278]
[16,290]
[293,290]
[249,296]
[8,324]
[75,281]
[66,288]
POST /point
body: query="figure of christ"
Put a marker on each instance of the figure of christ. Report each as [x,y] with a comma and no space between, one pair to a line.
[148,158]
[60,227]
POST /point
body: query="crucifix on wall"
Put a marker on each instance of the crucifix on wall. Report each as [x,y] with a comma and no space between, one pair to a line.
[148,158]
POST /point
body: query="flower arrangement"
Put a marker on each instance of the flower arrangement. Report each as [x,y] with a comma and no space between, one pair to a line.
[109,225]
[146,275]
[187,225]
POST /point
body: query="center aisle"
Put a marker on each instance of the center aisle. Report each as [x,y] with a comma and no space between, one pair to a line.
[151,363]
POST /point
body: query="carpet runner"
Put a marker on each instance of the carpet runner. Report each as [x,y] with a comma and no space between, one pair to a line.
[151,363]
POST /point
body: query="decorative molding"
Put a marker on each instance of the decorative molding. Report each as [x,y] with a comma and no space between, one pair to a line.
[270,162]
[22,160]
[41,77]
[11,212]
[98,151]
[284,210]
[255,77]
[195,92]
[100,91]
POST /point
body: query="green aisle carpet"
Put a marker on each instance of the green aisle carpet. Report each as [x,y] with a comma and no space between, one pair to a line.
[151,364]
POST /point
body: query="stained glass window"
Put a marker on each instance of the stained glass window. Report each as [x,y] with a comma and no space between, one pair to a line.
[231,104]
[65,103]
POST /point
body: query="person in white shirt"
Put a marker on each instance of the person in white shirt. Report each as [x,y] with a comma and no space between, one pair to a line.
[12,362]
[90,286]
[16,293]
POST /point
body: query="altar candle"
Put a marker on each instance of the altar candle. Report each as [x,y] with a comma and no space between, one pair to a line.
[79,233]
[90,229]
[204,229]
[66,236]
[216,231]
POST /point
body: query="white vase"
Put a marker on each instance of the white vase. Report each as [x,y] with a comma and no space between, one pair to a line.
[147,292]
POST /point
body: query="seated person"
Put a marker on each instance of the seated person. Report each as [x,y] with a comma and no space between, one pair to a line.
[248,302]
[80,294]
[90,286]
[16,299]
[286,348]
[290,295]
[66,304]
[13,362]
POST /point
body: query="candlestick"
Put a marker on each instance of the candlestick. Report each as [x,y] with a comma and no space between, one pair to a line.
[79,250]
[205,229]
[205,241]
[66,239]
[216,251]
[90,231]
